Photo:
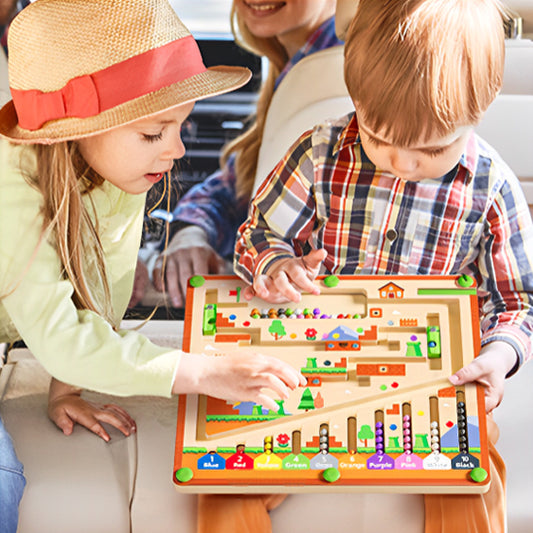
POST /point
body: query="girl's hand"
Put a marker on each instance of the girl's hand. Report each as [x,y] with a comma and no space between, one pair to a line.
[489,369]
[188,254]
[237,377]
[287,278]
[66,408]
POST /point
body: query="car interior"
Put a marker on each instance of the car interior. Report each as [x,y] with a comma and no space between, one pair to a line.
[80,483]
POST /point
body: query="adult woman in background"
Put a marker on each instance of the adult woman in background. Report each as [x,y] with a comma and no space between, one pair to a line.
[206,219]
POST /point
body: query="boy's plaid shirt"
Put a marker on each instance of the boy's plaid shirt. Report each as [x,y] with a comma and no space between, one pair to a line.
[475,220]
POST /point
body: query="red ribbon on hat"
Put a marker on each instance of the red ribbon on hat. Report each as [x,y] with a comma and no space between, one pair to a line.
[89,95]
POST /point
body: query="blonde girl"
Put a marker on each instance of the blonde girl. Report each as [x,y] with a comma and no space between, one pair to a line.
[100,90]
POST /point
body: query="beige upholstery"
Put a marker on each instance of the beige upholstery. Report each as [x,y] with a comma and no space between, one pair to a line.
[508,123]
[524,8]
[73,484]
[81,484]
[299,103]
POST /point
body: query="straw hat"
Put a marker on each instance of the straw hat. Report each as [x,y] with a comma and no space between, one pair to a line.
[81,67]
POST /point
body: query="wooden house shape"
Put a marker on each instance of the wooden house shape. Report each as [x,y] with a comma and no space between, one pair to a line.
[391,290]
[343,338]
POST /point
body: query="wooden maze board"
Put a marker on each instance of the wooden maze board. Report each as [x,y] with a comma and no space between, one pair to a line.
[378,412]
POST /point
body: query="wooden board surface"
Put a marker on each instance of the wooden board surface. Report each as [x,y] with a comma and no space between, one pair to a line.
[378,412]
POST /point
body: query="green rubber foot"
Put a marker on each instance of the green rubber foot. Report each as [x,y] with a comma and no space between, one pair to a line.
[478,475]
[465,281]
[196,281]
[331,475]
[184,475]
[331,281]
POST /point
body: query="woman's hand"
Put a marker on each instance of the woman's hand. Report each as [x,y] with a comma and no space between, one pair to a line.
[142,280]
[66,408]
[188,254]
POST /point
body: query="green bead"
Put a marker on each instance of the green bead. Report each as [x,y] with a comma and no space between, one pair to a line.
[184,475]
[465,281]
[478,475]
[331,281]
[196,281]
[331,475]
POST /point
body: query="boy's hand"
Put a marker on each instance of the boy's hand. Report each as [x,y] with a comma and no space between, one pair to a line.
[489,369]
[66,408]
[237,377]
[287,278]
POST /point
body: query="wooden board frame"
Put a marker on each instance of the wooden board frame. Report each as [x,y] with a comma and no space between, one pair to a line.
[378,412]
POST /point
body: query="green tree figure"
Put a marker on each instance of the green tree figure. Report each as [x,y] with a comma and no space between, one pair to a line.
[257,410]
[421,441]
[311,362]
[276,329]
[365,433]
[413,349]
[281,410]
[394,443]
[306,401]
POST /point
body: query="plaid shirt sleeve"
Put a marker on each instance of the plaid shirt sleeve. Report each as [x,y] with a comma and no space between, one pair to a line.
[286,201]
[212,205]
[506,270]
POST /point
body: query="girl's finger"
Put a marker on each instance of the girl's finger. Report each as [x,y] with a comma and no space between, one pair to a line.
[113,420]
[63,422]
[88,421]
[266,401]
[123,413]
[272,382]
